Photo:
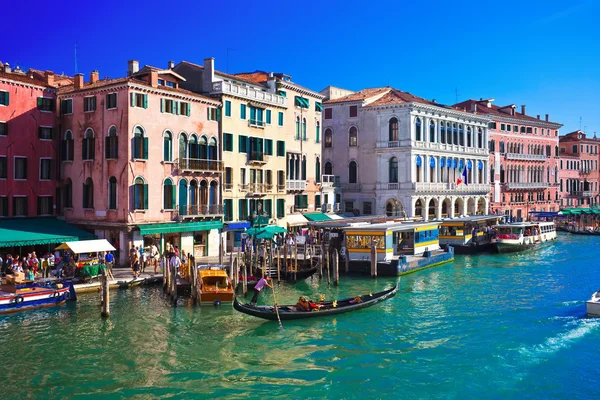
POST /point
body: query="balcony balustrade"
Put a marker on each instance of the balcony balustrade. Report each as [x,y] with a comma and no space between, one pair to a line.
[295,185]
[199,165]
[257,157]
[256,123]
[228,187]
[447,186]
[248,92]
[526,185]
[329,180]
[448,147]
[200,210]
[525,157]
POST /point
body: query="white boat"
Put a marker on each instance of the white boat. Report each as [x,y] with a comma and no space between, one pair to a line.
[522,235]
[593,305]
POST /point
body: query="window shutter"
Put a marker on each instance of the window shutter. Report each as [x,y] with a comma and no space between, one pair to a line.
[71,146]
[146,196]
[132,97]
[50,171]
[218,114]
[145,101]
[136,147]
[189,106]
[39,102]
[115,145]
[145,148]
[173,196]
[84,202]
[39,206]
[176,107]
[162,105]
[93,148]
[107,147]
[39,130]
[6,99]
[240,214]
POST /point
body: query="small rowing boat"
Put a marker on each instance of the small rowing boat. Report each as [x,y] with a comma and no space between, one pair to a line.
[290,312]
[28,295]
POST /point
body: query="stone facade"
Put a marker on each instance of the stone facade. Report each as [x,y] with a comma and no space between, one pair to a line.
[398,154]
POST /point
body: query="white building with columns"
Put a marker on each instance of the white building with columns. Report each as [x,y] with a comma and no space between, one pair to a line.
[394,153]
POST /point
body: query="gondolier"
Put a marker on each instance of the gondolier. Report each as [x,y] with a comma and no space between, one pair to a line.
[259,285]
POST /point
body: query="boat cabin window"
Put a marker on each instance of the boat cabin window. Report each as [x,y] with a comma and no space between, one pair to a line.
[426,236]
[365,241]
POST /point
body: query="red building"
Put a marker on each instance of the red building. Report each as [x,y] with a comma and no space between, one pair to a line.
[523,159]
[578,170]
[28,142]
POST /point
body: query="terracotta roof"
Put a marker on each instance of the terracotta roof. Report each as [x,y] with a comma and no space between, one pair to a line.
[395,96]
[22,78]
[360,95]
[258,77]
[482,108]
[108,82]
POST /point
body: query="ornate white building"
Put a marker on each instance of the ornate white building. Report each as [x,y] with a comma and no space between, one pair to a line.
[393,153]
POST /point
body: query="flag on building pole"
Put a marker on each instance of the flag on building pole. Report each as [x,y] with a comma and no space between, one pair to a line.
[463,177]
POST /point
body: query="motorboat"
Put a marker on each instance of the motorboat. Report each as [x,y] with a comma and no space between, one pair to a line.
[521,236]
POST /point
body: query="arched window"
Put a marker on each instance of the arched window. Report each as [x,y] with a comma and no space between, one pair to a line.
[318,132]
[140,144]
[200,150]
[183,144]
[418,129]
[68,193]
[182,197]
[328,138]
[297,128]
[318,170]
[469,141]
[88,145]
[213,195]
[112,193]
[111,144]
[140,194]
[67,147]
[393,170]
[455,134]
[193,208]
[419,163]
[304,129]
[449,133]
[212,149]
[194,147]
[442,132]
[168,194]
[303,168]
[88,194]
[352,172]
[432,132]
[389,209]
[461,138]
[168,146]
[328,168]
[393,130]
[352,137]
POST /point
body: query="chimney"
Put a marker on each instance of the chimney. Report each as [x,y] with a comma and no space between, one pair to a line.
[171,65]
[94,76]
[271,84]
[547,116]
[154,78]
[538,116]
[523,109]
[7,68]
[133,66]
[208,76]
[78,81]
[49,78]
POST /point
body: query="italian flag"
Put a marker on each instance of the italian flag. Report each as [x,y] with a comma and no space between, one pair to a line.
[463,177]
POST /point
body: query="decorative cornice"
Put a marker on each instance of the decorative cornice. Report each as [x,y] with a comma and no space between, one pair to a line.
[465,116]
[533,122]
[299,89]
[26,84]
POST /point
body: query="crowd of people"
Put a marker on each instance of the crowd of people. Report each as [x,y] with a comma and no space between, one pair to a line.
[31,266]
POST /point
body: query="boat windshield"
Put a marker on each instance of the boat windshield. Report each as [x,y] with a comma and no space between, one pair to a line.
[217,281]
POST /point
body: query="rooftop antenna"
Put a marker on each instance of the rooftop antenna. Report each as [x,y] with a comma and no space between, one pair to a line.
[227,61]
[580,118]
[456,95]
[75,57]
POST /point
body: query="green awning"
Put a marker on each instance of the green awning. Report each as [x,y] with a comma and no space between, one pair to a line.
[153,229]
[301,102]
[318,106]
[35,231]
[265,233]
[317,216]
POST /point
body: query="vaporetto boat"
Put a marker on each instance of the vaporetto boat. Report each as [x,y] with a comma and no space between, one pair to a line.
[593,305]
[522,235]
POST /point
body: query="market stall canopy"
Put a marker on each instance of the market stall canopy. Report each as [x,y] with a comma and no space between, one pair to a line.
[153,229]
[579,211]
[265,233]
[317,216]
[296,220]
[37,231]
[87,246]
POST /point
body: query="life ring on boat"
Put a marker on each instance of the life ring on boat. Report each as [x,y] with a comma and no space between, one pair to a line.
[55,294]
[67,295]
[19,299]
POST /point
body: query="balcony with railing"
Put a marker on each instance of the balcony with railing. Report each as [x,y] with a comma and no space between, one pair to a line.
[201,210]
[243,187]
[526,185]
[248,93]
[392,144]
[451,187]
[281,188]
[330,180]
[199,165]
[448,147]
[581,193]
[295,185]
[388,186]
[585,171]
[228,187]
[525,157]
[257,157]
[255,123]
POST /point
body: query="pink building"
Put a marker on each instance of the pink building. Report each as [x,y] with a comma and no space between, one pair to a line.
[140,160]
[523,159]
[578,170]
[27,143]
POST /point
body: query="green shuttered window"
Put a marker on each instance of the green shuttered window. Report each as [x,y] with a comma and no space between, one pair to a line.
[280,118]
[227,108]
[280,148]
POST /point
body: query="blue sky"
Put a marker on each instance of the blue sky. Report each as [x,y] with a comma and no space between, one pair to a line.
[545,54]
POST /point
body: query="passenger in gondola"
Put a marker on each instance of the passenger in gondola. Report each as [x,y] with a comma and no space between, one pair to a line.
[302,304]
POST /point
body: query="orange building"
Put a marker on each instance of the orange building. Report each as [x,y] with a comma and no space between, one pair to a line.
[578,170]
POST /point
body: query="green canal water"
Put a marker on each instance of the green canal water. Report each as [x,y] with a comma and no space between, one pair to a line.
[502,326]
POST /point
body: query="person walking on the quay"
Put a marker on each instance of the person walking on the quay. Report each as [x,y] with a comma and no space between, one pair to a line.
[154,257]
[175,262]
[259,285]
[132,253]
[109,260]
[136,266]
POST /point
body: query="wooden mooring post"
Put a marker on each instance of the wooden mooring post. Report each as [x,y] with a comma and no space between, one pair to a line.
[295,260]
[193,285]
[105,295]
[166,276]
[327,264]
[336,267]
[245,279]
[346,254]
[373,261]
[173,281]
[321,261]
[278,264]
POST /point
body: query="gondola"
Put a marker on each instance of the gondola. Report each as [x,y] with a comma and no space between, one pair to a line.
[287,276]
[289,312]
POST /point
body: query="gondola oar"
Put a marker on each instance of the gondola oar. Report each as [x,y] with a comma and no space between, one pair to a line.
[275,305]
